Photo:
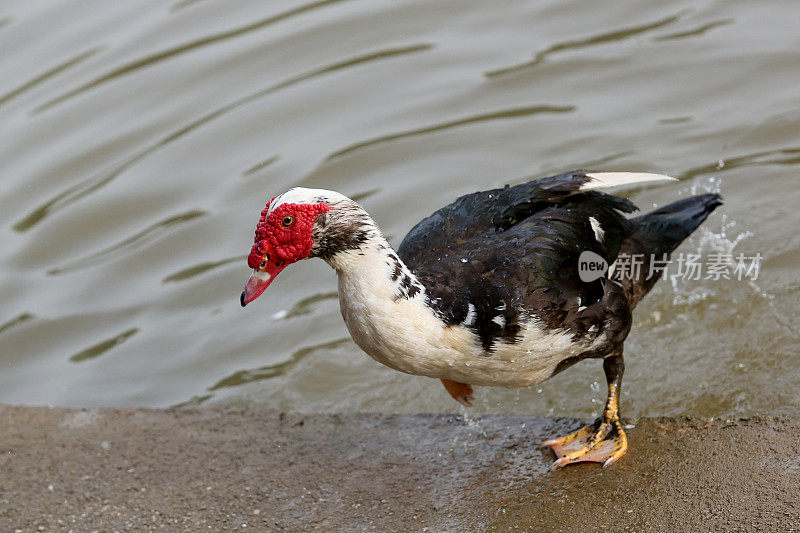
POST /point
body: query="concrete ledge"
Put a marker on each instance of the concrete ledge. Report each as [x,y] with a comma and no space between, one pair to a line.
[217,469]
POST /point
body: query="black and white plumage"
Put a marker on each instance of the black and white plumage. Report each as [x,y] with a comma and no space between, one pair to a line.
[486,290]
[507,255]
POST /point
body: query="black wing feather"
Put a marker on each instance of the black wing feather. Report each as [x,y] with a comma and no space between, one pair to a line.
[513,252]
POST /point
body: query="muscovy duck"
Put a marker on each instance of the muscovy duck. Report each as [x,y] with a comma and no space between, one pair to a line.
[487,291]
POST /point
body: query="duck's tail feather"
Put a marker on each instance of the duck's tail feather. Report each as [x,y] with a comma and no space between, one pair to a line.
[655,237]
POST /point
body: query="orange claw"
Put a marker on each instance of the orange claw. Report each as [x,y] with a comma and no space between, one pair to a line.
[461,392]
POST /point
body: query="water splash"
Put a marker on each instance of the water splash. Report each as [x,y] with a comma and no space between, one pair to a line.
[464,414]
[722,241]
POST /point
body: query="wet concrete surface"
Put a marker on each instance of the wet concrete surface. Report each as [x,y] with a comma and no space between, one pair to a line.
[262,470]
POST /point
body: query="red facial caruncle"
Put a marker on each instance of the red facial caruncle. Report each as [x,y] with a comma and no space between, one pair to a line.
[283,237]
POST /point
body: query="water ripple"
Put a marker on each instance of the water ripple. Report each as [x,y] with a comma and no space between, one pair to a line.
[307,305]
[16,321]
[675,120]
[177,6]
[495,115]
[261,165]
[74,193]
[695,32]
[104,346]
[590,164]
[357,197]
[49,74]
[781,156]
[183,48]
[617,35]
[94,183]
[271,371]
[128,244]
[201,268]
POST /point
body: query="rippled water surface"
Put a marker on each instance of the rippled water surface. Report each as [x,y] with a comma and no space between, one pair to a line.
[140,140]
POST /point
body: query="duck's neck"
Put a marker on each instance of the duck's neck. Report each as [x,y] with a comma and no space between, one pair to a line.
[384,305]
[373,272]
[387,311]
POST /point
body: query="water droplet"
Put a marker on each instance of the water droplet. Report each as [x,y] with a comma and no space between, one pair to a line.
[720,164]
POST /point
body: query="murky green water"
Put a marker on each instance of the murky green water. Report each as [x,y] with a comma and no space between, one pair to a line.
[140,140]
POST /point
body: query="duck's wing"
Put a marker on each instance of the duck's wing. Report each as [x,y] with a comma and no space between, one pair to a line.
[495,210]
[493,259]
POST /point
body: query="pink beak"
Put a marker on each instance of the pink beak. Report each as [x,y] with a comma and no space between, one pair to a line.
[259,282]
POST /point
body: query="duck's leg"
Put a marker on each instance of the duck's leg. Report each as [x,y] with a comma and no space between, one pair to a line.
[461,392]
[605,440]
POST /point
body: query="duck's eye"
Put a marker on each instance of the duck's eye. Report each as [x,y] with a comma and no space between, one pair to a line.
[263,264]
[288,221]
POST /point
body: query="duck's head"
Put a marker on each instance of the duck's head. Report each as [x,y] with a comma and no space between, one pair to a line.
[300,224]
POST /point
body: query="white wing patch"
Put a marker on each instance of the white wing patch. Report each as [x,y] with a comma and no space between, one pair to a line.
[471,316]
[599,233]
[602,180]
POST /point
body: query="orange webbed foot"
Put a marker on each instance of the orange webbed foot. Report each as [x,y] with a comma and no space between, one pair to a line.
[604,442]
[461,392]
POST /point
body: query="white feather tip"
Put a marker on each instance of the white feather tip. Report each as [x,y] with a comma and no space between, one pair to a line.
[602,180]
